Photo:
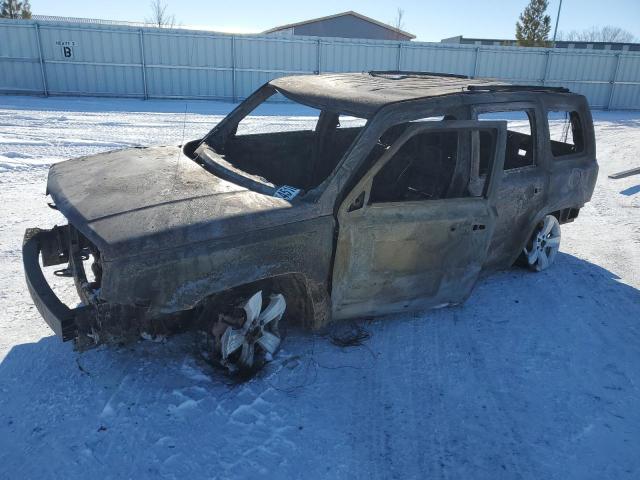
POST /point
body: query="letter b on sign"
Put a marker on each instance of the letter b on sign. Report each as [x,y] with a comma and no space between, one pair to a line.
[67,52]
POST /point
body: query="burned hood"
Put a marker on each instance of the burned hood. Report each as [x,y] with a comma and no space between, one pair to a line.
[144,199]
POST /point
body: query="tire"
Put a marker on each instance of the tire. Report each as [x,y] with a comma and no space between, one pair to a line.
[540,251]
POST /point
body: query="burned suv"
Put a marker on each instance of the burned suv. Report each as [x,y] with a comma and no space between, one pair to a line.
[406,188]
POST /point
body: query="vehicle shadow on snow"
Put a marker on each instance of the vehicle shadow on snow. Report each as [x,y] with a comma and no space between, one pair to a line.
[566,337]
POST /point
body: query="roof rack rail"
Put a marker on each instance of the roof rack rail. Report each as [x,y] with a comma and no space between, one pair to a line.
[380,73]
[516,88]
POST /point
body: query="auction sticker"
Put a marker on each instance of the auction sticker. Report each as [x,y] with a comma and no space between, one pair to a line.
[287,192]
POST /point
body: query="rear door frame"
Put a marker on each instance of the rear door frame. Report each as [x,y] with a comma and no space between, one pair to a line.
[518,212]
[572,177]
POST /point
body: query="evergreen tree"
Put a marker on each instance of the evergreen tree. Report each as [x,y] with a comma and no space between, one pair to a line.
[15,9]
[10,9]
[532,30]
[25,13]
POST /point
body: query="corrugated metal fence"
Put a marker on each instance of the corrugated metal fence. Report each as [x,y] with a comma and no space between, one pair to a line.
[54,58]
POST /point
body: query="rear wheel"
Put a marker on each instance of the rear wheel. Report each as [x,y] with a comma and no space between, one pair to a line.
[542,248]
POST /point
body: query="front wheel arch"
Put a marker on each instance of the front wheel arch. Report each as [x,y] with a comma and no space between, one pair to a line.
[306,301]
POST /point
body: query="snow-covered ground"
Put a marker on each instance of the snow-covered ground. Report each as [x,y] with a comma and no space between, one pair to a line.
[536,376]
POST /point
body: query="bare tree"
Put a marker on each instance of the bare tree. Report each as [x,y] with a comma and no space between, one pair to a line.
[607,33]
[159,16]
[398,23]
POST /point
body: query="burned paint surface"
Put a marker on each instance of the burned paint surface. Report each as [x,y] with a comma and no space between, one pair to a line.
[174,227]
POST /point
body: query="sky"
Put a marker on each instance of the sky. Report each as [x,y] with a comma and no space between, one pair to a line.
[429,20]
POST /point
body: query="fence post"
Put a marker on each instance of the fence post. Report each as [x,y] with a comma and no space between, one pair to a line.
[234,93]
[143,64]
[45,89]
[546,67]
[475,63]
[399,59]
[613,81]
[318,56]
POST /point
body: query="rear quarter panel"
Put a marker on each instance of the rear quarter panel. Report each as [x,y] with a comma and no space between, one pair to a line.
[573,177]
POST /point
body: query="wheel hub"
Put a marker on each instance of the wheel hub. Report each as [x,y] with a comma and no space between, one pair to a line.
[258,338]
[545,243]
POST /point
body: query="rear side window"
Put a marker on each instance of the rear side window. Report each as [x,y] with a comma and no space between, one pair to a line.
[565,133]
[520,146]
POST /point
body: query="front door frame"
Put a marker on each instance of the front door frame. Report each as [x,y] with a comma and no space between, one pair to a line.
[356,205]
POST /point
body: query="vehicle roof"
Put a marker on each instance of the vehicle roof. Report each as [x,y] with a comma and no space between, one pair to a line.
[362,94]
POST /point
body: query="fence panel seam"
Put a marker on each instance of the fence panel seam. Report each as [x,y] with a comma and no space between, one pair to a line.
[143,65]
[45,88]
[613,81]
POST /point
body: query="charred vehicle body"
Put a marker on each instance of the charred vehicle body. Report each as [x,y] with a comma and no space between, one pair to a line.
[400,210]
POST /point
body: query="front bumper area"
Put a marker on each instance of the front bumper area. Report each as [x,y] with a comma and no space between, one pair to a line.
[53,247]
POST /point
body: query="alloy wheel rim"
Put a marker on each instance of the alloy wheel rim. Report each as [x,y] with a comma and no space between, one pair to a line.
[544,244]
[259,331]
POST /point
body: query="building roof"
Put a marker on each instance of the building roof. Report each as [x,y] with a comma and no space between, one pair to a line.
[362,94]
[97,21]
[631,46]
[350,12]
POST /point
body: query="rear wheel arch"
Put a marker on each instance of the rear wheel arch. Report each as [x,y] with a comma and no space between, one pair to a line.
[518,259]
[544,237]
[559,214]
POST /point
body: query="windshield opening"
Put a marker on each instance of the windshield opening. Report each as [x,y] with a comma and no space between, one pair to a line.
[288,144]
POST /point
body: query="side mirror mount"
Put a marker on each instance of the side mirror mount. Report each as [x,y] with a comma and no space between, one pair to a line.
[357,204]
